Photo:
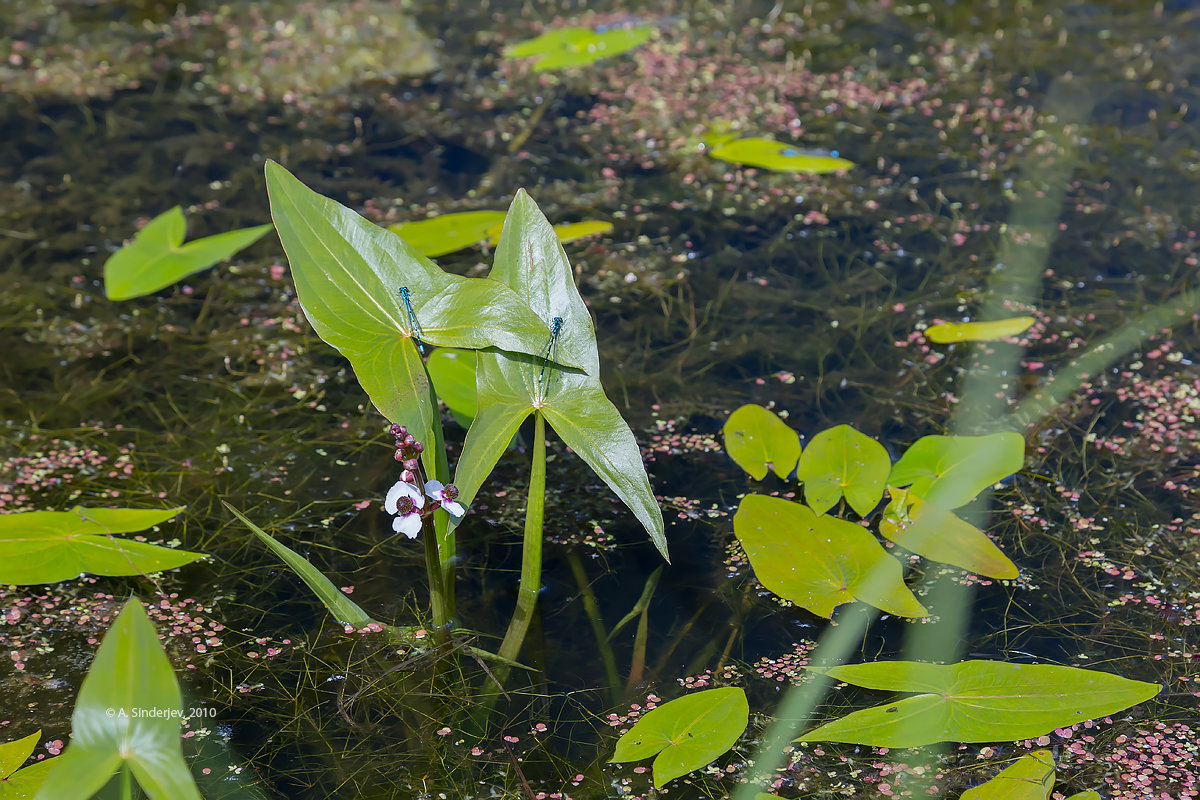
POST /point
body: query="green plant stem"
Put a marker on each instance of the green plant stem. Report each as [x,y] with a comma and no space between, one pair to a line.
[531,553]
[437,593]
[126,783]
[445,555]
[593,613]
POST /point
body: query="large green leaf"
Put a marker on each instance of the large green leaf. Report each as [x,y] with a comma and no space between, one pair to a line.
[938,534]
[842,461]
[686,733]
[453,374]
[128,713]
[778,156]
[975,701]
[1030,777]
[948,471]
[340,607]
[446,233]
[819,562]
[530,260]
[52,546]
[577,46]
[348,276]
[157,256]
[757,440]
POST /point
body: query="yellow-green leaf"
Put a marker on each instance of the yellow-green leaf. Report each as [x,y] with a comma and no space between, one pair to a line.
[157,256]
[686,733]
[843,461]
[576,46]
[941,536]
[757,440]
[948,471]
[446,233]
[453,374]
[52,546]
[950,332]
[779,157]
[1030,777]
[820,562]
[975,701]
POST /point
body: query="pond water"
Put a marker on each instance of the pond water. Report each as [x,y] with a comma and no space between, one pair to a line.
[1010,159]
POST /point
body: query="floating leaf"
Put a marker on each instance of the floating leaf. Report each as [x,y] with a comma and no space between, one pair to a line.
[941,536]
[127,715]
[52,546]
[578,46]
[779,157]
[950,332]
[453,374]
[339,606]
[843,461]
[1088,795]
[443,234]
[571,231]
[756,439]
[530,260]
[21,784]
[157,256]
[975,701]
[686,733]
[948,471]
[820,562]
[1030,777]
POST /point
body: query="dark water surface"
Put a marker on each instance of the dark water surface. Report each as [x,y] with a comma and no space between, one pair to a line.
[717,287]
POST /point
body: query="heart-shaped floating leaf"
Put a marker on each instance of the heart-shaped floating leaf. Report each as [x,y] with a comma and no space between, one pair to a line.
[530,260]
[578,46]
[757,440]
[567,231]
[446,233]
[52,546]
[950,332]
[820,562]
[157,256]
[948,471]
[453,374]
[686,733]
[1030,777]
[348,276]
[842,461]
[778,157]
[21,784]
[127,714]
[941,536]
[975,701]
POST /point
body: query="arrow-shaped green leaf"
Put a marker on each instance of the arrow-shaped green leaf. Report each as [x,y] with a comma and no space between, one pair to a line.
[948,471]
[157,256]
[530,260]
[1030,777]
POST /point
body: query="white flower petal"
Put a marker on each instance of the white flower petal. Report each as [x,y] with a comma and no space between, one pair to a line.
[434,489]
[402,489]
[454,507]
[408,524]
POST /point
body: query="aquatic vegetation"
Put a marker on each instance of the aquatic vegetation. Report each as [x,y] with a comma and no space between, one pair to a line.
[51,546]
[950,332]
[17,784]
[447,233]
[686,733]
[779,156]
[157,256]
[575,46]
[126,721]
[975,701]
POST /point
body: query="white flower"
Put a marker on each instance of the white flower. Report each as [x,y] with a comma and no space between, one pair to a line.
[405,501]
[445,495]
